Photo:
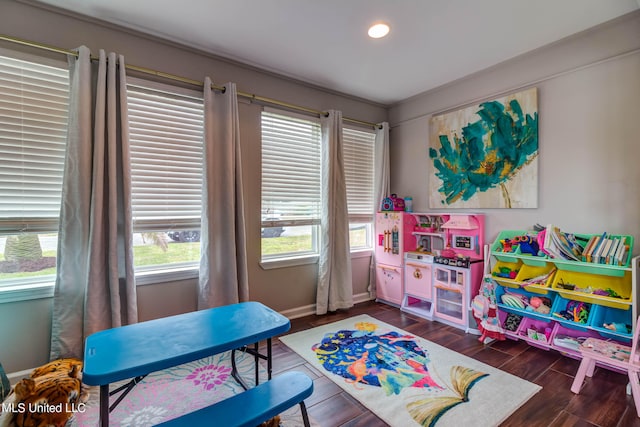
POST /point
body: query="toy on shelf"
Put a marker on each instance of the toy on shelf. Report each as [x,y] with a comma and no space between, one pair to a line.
[540,305]
[576,311]
[512,321]
[505,272]
[527,245]
[392,203]
[618,327]
[539,280]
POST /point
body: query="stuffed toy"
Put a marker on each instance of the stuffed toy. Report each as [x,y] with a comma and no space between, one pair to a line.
[273,422]
[48,397]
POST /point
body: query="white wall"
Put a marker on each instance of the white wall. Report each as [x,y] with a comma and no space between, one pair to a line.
[589,131]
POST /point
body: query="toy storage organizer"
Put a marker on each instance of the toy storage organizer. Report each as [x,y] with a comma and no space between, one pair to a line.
[575,314]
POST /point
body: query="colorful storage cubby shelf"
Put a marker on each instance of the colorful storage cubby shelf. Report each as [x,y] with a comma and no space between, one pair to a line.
[589,300]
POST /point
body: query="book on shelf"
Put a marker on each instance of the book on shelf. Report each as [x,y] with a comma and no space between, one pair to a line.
[592,248]
[606,247]
[621,253]
[597,248]
[612,251]
[600,250]
[587,247]
[564,245]
[548,245]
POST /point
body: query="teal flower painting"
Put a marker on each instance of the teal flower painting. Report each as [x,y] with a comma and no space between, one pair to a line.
[485,156]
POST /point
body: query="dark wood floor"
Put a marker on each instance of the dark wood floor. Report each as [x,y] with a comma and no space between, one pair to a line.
[602,402]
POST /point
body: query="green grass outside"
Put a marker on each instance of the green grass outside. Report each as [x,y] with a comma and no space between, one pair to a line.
[149,255]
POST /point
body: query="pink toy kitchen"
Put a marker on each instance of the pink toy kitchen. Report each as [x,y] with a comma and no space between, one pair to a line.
[430,264]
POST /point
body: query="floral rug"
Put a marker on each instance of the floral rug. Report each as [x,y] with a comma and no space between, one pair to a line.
[407,380]
[166,394]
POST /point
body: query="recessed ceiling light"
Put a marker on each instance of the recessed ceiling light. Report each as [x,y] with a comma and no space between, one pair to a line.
[378,30]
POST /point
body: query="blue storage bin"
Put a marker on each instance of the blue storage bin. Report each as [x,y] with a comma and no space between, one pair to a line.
[562,305]
[607,315]
[527,312]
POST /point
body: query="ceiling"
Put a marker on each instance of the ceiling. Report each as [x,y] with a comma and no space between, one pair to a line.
[325,43]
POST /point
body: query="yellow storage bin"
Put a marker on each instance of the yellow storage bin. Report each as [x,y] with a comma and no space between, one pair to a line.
[580,287]
[544,275]
[505,273]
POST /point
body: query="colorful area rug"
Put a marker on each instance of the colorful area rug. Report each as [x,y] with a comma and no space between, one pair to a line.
[166,394]
[407,380]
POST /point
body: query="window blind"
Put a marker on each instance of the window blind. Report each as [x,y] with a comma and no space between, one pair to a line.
[358,153]
[33,131]
[291,185]
[166,140]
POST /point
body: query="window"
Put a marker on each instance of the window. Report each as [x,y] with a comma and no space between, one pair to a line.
[33,128]
[291,186]
[358,152]
[166,138]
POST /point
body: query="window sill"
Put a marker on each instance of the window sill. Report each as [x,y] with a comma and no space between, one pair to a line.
[26,292]
[361,253]
[304,260]
[288,262]
[152,277]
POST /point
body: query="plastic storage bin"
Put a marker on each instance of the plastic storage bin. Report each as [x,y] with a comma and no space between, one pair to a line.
[565,280]
[579,318]
[548,301]
[536,332]
[623,319]
[528,272]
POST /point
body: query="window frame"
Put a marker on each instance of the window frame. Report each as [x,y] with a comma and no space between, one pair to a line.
[150,274]
[36,287]
[366,219]
[313,221]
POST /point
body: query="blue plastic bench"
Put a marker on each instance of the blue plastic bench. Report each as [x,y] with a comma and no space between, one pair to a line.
[254,406]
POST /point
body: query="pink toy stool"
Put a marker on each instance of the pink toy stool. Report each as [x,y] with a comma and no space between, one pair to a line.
[613,354]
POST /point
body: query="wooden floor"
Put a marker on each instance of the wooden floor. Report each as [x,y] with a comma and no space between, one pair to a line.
[602,402]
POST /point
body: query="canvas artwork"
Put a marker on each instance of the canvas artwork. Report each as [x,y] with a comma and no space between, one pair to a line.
[485,156]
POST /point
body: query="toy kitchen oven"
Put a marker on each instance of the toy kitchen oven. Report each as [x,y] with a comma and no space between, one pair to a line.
[443,275]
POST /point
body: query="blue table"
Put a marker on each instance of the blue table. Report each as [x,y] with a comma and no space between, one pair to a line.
[133,351]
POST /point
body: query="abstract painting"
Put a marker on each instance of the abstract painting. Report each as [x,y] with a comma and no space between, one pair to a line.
[485,156]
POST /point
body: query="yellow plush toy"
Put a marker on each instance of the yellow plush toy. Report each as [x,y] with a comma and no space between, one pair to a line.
[48,397]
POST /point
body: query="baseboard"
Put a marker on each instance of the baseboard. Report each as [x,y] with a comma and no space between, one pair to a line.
[310,309]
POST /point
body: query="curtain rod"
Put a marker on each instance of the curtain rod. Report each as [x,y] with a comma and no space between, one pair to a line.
[180,79]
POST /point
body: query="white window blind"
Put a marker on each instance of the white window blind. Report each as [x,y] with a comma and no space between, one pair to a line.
[166,138]
[291,185]
[358,152]
[33,130]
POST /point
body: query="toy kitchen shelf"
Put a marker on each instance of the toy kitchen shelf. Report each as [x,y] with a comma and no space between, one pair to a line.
[573,312]
[443,274]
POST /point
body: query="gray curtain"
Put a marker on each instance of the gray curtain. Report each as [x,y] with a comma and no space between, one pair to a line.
[335,288]
[381,188]
[223,260]
[95,283]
